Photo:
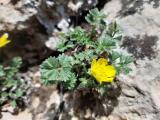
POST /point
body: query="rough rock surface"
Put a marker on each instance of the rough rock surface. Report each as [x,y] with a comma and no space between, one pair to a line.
[30,24]
[140,97]
[24,31]
[63,10]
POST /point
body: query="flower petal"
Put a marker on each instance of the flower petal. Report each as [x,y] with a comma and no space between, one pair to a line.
[102,61]
[101,71]
[4,40]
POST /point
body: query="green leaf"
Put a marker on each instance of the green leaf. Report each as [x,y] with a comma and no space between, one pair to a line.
[126,59]
[10,83]
[87,83]
[63,47]
[3,96]
[127,70]
[79,35]
[50,63]
[84,56]
[65,61]
[65,74]
[12,69]
[14,104]
[95,18]
[2,73]
[65,43]
[49,75]
[115,55]
[19,93]
[71,82]
[56,70]
[83,83]
[122,66]
[16,62]
[106,42]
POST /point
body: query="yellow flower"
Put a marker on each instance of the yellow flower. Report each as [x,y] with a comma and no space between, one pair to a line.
[4,40]
[101,71]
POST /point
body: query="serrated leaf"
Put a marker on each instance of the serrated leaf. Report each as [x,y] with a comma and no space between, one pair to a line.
[70,84]
[65,74]
[95,18]
[50,63]
[126,59]
[49,75]
[16,62]
[10,85]
[79,35]
[65,61]
[115,55]
[127,70]
[84,56]
[106,42]
[54,74]
[83,83]
[12,69]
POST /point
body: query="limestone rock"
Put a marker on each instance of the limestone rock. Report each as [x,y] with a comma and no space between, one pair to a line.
[139,21]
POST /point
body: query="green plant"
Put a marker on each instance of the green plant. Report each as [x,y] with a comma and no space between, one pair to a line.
[10,86]
[79,47]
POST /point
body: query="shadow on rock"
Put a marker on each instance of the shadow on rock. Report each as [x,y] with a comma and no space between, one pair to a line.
[87,104]
[28,43]
[130,7]
[66,13]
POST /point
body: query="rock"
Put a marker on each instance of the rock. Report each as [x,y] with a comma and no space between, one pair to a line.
[75,7]
[10,18]
[63,25]
[44,104]
[63,10]
[25,115]
[139,21]
[16,13]
[53,42]
[4,2]
[25,32]
[8,108]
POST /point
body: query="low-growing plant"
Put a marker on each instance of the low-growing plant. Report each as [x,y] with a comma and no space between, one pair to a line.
[89,58]
[10,86]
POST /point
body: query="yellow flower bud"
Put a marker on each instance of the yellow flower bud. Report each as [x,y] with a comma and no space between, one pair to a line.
[4,40]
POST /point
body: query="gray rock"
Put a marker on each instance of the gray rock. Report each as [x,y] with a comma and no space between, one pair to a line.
[53,42]
[140,22]
[50,13]
[140,96]
[10,17]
